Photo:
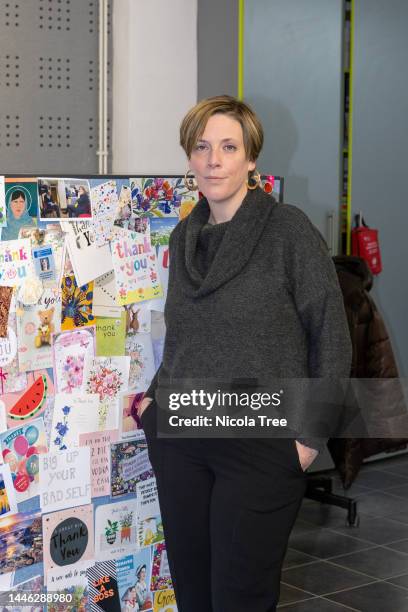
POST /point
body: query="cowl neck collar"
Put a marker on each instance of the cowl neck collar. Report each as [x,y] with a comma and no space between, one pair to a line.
[241,237]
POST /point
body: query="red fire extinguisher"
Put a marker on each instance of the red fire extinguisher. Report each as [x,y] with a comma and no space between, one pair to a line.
[364,244]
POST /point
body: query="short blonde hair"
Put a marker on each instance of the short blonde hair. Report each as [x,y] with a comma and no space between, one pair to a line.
[193,124]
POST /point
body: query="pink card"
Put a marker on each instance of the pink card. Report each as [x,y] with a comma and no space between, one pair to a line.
[99,443]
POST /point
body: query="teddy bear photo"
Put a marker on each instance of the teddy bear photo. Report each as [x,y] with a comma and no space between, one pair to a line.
[45,329]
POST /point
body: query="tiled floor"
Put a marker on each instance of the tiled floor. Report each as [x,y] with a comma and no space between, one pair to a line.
[330,567]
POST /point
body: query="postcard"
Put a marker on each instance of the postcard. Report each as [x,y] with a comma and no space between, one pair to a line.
[35,328]
[161,578]
[104,298]
[134,573]
[70,351]
[129,464]
[99,443]
[65,479]
[115,530]
[22,448]
[149,526]
[161,228]
[76,304]
[74,414]
[138,318]
[110,335]
[44,263]
[139,348]
[103,587]
[88,260]
[68,538]
[69,580]
[21,541]
[21,205]
[16,263]
[63,198]
[8,502]
[134,263]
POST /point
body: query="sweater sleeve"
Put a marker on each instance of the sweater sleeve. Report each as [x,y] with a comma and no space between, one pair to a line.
[319,302]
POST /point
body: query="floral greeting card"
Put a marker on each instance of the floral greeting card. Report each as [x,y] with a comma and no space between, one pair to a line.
[115,530]
[35,328]
[161,578]
[106,376]
[139,348]
[74,414]
[76,306]
[134,263]
[71,349]
[161,196]
[104,202]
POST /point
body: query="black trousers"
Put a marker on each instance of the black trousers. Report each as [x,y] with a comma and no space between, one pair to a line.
[228,506]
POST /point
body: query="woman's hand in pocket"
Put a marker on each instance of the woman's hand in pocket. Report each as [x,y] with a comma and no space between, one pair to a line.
[143,405]
[306,455]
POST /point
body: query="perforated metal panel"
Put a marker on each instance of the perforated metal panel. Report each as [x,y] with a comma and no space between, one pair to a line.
[49,86]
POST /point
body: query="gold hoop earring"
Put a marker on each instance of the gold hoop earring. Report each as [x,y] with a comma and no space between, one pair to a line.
[254,181]
[189,182]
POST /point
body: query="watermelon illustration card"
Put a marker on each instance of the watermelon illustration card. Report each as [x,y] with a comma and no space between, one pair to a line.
[115,530]
[71,349]
[21,448]
[68,538]
[35,328]
[33,402]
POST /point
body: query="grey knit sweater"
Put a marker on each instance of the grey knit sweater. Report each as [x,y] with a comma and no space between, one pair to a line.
[256,296]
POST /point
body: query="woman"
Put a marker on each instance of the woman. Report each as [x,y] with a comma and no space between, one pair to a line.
[142,592]
[252,293]
[17,215]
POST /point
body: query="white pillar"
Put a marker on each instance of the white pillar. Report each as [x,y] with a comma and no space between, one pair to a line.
[154,83]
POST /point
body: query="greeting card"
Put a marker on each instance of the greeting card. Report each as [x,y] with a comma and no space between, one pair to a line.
[110,335]
[68,537]
[76,304]
[88,260]
[99,443]
[11,379]
[129,464]
[8,502]
[104,298]
[35,328]
[70,351]
[106,376]
[161,578]
[74,414]
[150,529]
[21,448]
[161,197]
[104,202]
[142,367]
[129,427]
[133,574]
[32,403]
[16,263]
[3,219]
[103,587]
[21,541]
[71,581]
[5,302]
[65,479]
[138,318]
[115,530]
[63,198]
[162,254]
[134,263]
[22,206]
[28,590]
[161,228]
[165,601]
